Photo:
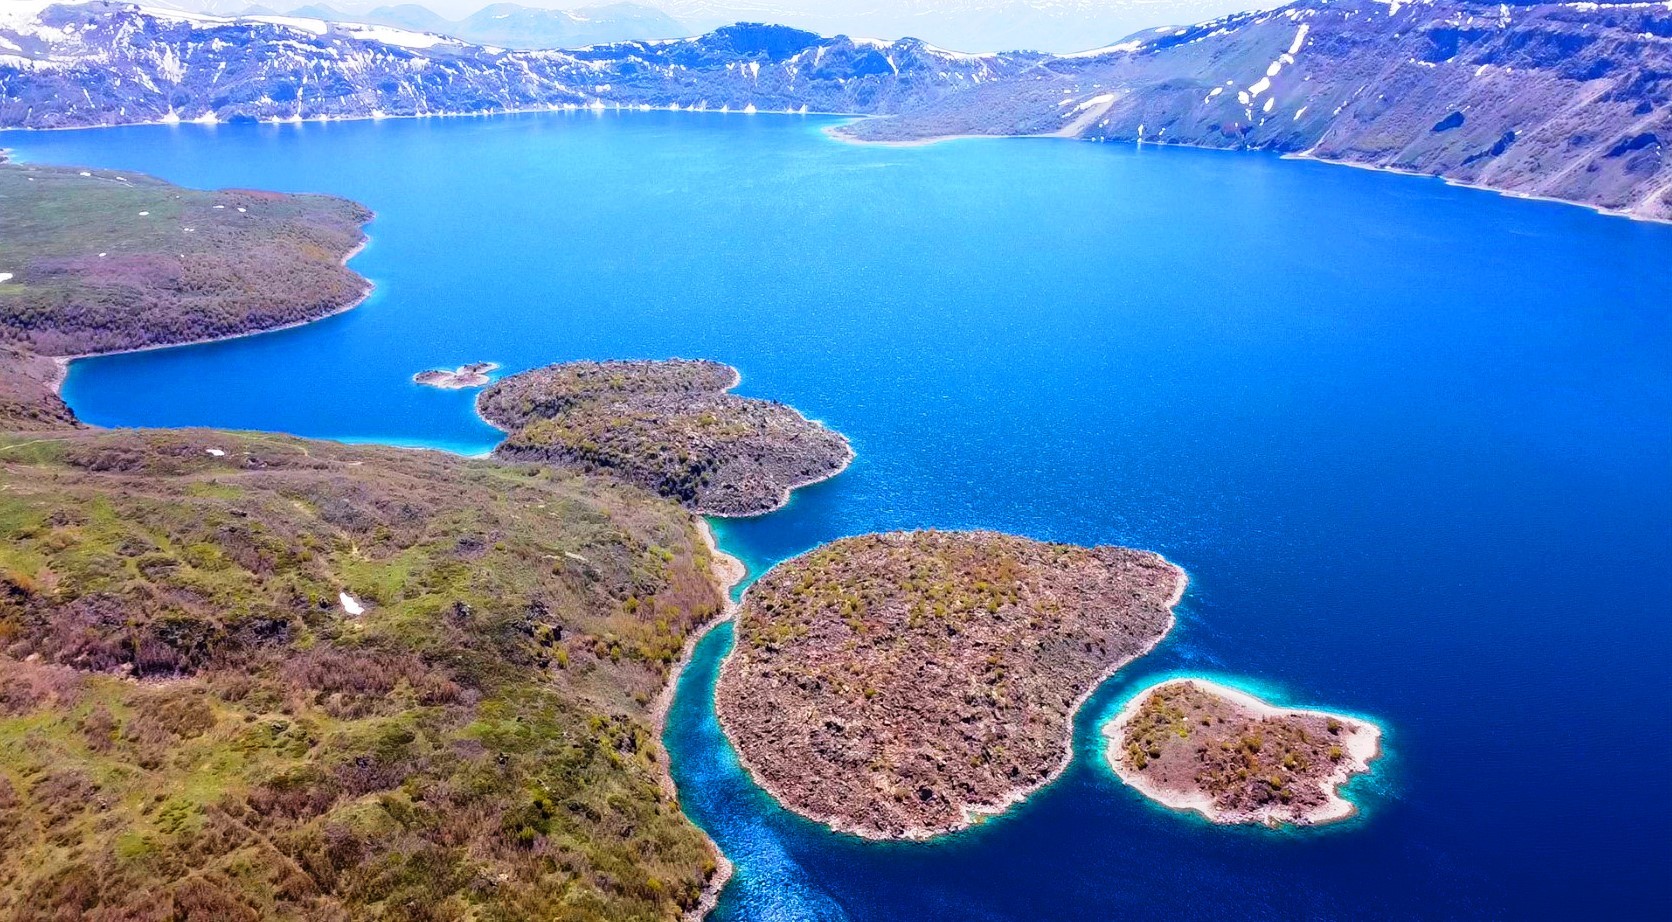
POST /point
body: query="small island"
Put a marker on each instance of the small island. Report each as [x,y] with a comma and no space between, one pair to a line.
[668,426]
[1193,745]
[465,376]
[906,684]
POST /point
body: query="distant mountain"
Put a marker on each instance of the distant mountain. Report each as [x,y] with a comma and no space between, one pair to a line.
[509,25]
[406,16]
[1571,101]
[968,25]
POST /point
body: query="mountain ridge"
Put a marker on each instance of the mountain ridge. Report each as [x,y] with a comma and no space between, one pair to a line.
[1571,101]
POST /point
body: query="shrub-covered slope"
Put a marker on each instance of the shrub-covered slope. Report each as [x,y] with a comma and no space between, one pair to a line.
[28,396]
[667,426]
[255,677]
[104,260]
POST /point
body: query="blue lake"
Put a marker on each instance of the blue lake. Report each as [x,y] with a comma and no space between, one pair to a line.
[1412,442]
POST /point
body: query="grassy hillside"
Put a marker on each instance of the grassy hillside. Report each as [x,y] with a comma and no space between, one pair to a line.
[106,260]
[247,676]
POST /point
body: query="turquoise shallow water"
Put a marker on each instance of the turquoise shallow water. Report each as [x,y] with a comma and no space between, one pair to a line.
[1413,443]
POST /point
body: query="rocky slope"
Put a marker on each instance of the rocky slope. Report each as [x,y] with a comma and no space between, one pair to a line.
[103,260]
[669,427]
[29,398]
[1569,101]
[894,685]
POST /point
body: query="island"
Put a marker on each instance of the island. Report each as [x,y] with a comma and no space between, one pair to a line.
[668,426]
[465,376]
[1191,744]
[904,685]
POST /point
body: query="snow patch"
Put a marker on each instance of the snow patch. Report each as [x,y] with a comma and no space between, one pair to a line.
[389,36]
[1120,48]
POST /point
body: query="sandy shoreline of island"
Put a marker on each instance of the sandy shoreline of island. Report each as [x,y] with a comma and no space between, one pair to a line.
[972,813]
[1362,746]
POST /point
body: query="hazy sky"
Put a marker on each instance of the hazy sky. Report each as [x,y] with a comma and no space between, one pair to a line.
[965,25]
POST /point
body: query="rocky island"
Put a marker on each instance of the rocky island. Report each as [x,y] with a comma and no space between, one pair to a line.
[1194,745]
[668,426]
[465,376]
[902,685]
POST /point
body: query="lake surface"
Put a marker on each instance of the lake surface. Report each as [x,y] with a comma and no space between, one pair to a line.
[1413,443]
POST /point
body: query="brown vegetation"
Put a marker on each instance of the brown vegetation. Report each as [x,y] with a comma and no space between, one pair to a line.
[890,684]
[667,426]
[193,727]
[104,261]
[1191,744]
[28,393]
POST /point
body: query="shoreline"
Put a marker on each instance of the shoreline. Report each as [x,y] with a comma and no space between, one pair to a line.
[481,113]
[834,133]
[1363,747]
[788,491]
[726,571]
[973,814]
[1605,211]
[367,287]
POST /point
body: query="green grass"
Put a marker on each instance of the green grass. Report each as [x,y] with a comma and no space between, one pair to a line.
[192,727]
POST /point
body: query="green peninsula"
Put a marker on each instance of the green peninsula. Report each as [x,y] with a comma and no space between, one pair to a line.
[250,676]
[103,260]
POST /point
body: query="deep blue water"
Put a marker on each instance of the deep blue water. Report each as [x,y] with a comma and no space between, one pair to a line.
[1413,443]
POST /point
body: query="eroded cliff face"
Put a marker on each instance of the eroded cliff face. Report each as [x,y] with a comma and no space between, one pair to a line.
[1569,101]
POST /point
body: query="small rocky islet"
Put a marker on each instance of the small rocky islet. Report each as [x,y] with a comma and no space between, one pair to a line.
[900,685]
[461,378]
[668,426]
[1194,745]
